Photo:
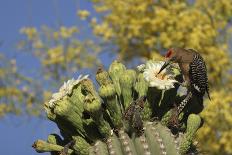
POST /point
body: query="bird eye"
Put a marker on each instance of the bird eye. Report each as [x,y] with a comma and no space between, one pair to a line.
[173,58]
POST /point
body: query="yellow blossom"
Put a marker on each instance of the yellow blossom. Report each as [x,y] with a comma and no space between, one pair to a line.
[55,55]
[83,14]
[30,32]
[55,35]
[67,32]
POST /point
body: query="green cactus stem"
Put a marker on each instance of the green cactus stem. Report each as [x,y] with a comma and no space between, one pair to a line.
[127,81]
[81,146]
[141,87]
[54,139]
[108,93]
[102,77]
[88,88]
[42,146]
[77,99]
[92,105]
[167,139]
[151,136]
[141,145]
[127,143]
[165,119]
[193,124]
[99,148]
[115,70]
[68,113]
[114,145]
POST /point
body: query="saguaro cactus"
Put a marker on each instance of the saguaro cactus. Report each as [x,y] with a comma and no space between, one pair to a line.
[95,121]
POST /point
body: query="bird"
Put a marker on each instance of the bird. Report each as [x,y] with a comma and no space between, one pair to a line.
[194,71]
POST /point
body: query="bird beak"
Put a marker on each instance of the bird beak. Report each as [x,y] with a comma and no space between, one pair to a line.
[164,65]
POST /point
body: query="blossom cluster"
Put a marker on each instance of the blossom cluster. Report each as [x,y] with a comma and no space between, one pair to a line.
[66,89]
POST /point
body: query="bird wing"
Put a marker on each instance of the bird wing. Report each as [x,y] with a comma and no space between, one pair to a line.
[198,75]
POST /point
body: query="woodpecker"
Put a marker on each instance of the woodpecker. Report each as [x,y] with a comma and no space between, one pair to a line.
[194,72]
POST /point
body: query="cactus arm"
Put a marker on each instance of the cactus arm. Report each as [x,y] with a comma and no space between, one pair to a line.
[167,139]
[100,148]
[112,104]
[141,87]
[43,146]
[92,105]
[193,124]
[54,139]
[114,146]
[115,70]
[127,80]
[151,139]
[108,93]
[81,146]
[141,145]
[69,114]
[127,144]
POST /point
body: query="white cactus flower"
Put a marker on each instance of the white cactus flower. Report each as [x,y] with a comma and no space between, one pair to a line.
[164,80]
[141,67]
[57,95]
[66,89]
[52,102]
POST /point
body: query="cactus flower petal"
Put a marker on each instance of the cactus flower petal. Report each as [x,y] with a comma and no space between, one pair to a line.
[164,81]
[66,89]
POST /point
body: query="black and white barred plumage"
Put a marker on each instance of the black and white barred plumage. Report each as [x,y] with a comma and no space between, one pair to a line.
[198,80]
[198,76]
[183,103]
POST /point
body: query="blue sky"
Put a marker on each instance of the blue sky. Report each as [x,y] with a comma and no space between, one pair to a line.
[18,133]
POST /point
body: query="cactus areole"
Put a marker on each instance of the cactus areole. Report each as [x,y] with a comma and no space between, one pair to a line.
[129,114]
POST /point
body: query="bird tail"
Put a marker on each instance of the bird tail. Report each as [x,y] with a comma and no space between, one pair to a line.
[183,103]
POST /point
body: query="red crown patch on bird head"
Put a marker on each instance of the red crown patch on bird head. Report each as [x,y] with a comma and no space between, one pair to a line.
[169,53]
